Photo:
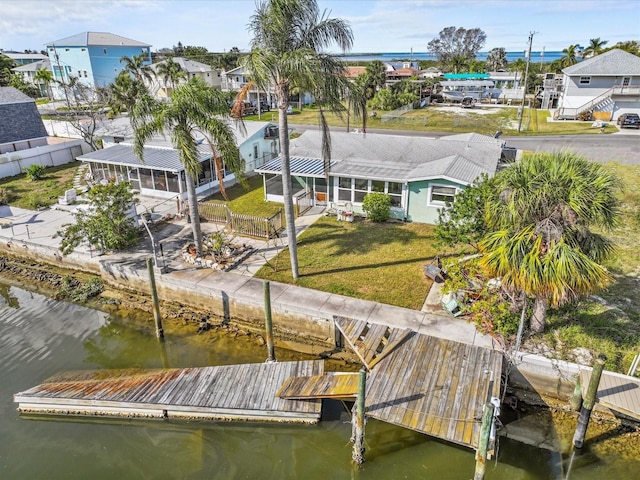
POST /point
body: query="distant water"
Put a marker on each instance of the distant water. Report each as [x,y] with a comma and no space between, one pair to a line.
[536,57]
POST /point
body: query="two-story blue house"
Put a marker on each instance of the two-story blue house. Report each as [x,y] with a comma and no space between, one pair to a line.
[92,57]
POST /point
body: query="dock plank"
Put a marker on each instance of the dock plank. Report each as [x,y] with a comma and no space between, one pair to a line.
[180,393]
[616,391]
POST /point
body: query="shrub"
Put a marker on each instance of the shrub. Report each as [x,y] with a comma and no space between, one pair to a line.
[5,196]
[377,206]
[34,172]
[585,116]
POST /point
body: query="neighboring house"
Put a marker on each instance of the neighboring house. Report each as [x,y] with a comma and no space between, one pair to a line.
[161,174]
[24,58]
[92,57]
[21,126]
[607,84]
[421,175]
[23,138]
[192,69]
[236,79]
[30,70]
[398,71]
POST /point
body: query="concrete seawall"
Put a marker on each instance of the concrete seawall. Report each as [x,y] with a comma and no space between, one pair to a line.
[298,313]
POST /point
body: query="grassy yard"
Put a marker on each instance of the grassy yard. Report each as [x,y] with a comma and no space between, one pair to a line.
[249,200]
[444,118]
[378,262]
[21,192]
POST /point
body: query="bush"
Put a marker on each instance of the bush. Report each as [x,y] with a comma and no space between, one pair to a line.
[377,206]
[34,172]
[5,196]
[585,116]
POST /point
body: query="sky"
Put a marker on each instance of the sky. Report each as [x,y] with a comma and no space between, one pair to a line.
[378,26]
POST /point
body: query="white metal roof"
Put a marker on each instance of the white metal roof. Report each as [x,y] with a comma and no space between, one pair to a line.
[461,158]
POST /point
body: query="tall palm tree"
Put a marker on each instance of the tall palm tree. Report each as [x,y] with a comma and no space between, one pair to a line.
[569,55]
[195,110]
[595,47]
[44,77]
[457,63]
[171,73]
[541,218]
[287,52]
[137,67]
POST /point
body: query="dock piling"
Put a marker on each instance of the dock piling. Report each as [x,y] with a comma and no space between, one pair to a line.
[483,443]
[589,402]
[358,420]
[154,297]
[268,321]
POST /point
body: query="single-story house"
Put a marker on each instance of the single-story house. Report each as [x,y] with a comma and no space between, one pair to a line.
[421,175]
[161,173]
[608,83]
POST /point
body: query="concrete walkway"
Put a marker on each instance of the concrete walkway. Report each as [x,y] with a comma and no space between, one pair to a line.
[37,231]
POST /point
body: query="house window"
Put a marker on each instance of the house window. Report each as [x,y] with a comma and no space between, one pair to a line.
[255,152]
[85,74]
[442,195]
[585,80]
[344,189]
[361,188]
[394,190]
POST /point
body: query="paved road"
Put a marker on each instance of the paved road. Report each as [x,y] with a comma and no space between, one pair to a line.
[622,147]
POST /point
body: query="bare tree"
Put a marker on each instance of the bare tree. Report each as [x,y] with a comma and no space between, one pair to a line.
[457,42]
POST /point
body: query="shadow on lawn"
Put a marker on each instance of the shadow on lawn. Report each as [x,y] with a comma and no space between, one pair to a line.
[360,237]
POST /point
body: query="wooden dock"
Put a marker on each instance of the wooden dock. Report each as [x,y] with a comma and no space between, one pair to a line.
[431,385]
[234,392]
[617,392]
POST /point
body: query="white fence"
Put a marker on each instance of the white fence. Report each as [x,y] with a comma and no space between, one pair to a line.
[13,163]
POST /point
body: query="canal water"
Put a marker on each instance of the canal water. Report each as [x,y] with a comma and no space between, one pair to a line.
[40,337]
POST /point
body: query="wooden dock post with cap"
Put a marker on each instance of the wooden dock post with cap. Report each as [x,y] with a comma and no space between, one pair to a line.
[154,297]
[268,322]
[483,444]
[589,402]
[357,435]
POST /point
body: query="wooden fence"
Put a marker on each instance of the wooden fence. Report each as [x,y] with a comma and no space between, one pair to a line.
[302,202]
[242,224]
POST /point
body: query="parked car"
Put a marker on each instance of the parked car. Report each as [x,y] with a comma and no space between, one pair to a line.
[265,107]
[249,109]
[629,120]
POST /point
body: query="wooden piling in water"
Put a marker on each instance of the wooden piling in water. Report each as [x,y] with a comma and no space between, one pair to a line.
[576,399]
[154,297]
[483,443]
[268,321]
[589,402]
[357,434]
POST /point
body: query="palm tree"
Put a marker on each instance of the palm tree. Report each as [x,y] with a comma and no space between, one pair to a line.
[124,92]
[540,218]
[44,76]
[287,52]
[570,55]
[195,110]
[137,67]
[170,72]
[457,63]
[595,47]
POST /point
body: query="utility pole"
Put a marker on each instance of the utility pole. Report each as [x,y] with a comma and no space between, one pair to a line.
[526,75]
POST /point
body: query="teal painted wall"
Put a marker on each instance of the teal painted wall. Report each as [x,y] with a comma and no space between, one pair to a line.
[420,210]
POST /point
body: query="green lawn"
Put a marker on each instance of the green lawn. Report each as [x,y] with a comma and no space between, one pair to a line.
[248,200]
[445,119]
[381,262]
[21,192]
